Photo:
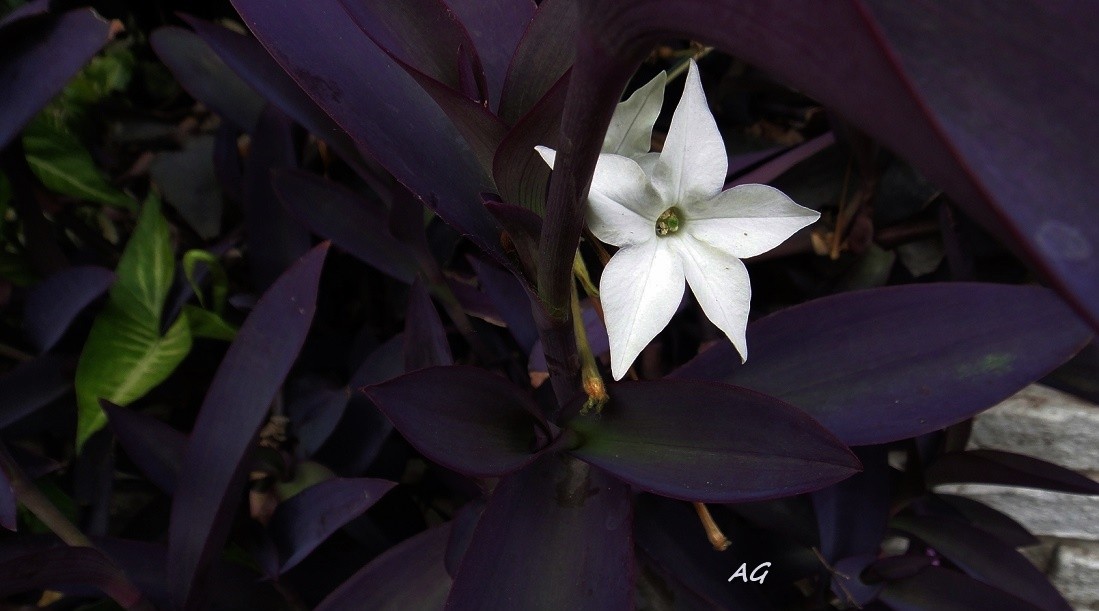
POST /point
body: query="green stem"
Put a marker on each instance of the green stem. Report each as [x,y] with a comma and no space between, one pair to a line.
[590,378]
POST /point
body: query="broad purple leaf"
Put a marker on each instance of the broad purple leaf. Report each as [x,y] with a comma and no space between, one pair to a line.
[520,173]
[32,385]
[30,9]
[544,54]
[900,78]
[315,406]
[383,109]
[72,566]
[779,164]
[37,58]
[421,34]
[276,239]
[461,533]
[464,418]
[409,575]
[306,519]
[156,448]
[700,441]
[981,516]
[352,222]
[424,336]
[511,301]
[206,77]
[236,405]
[253,64]
[852,515]
[53,303]
[983,557]
[496,27]
[1007,469]
[574,548]
[886,364]
[938,589]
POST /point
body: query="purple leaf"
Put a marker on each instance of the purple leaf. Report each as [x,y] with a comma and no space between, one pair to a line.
[937,589]
[887,364]
[8,501]
[352,222]
[252,63]
[315,407]
[464,418]
[38,57]
[425,343]
[983,557]
[156,448]
[409,575]
[276,240]
[358,85]
[981,516]
[852,515]
[236,405]
[900,78]
[710,442]
[1007,469]
[461,533]
[69,566]
[573,549]
[30,9]
[779,164]
[306,519]
[32,385]
[520,173]
[511,301]
[496,27]
[421,34]
[544,54]
[53,303]
[206,77]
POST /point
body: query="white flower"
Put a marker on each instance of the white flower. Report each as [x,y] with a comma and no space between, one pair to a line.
[672,222]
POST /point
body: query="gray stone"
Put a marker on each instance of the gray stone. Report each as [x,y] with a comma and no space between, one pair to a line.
[1075,572]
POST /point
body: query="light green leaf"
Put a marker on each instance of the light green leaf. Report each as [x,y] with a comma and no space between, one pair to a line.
[125,356]
[64,166]
[219,280]
[205,323]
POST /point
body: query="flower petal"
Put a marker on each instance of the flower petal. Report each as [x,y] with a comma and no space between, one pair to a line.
[631,130]
[747,220]
[622,204]
[693,164]
[641,288]
[720,283]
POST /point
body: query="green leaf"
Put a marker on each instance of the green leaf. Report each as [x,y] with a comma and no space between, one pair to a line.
[205,323]
[64,166]
[219,281]
[125,356]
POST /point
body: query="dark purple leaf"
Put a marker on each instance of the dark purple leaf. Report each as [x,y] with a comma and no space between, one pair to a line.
[379,105]
[597,339]
[252,63]
[709,442]
[1007,469]
[852,515]
[306,519]
[236,405]
[425,343]
[69,566]
[461,533]
[53,303]
[937,589]
[38,57]
[520,173]
[206,77]
[32,385]
[981,516]
[410,575]
[572,551]
[511,301]
[521,229]
[775,167]
[276,240]
[315,407]
[464,418]
[984,557]
[8,500]
[156,448]
[900,78]
[891,363]
[544,54]
[421,34]
[496,27]
[30,9]
[352,222]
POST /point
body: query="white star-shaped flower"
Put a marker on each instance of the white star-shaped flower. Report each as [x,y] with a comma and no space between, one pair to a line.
[672,222]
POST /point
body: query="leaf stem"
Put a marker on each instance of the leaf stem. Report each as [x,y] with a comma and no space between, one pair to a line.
[713,531]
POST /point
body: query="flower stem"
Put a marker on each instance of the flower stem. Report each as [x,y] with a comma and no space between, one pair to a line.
[580,270]
[713,532]
[590,378]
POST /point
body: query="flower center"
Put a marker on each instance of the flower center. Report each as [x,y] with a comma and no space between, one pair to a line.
[668,222]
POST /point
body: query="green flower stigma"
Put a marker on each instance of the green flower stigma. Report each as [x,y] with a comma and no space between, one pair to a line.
[668,222]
